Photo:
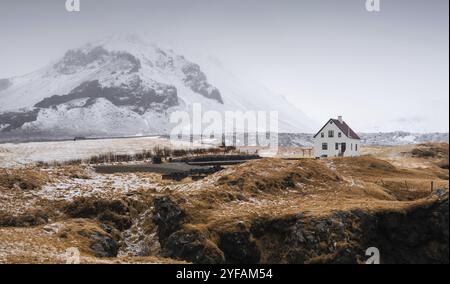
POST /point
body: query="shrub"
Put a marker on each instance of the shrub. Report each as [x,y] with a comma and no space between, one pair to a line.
[114,212]
[32,218]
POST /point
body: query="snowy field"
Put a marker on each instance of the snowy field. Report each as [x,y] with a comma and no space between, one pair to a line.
[21,154]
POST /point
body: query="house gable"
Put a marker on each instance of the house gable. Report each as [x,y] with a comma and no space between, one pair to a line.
[346,130]
[322,128]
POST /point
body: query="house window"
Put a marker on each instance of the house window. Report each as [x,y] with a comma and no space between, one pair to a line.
[351,146]
[324,146]
[337,146]
[339,134]
[330,133]
[322,135]
[356,147]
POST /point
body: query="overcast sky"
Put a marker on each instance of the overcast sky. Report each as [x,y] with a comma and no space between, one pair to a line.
[381,71]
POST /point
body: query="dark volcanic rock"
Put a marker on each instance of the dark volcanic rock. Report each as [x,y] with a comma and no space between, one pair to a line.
[75,59]
[180,242]
[168,216]
[419,234]
[193,246]
[15,120]
[78,58]
[135,63]
[103,245]
[134,95]
[239,247]
[197,81]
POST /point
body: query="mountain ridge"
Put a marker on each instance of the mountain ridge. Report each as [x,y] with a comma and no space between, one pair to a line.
[135,78]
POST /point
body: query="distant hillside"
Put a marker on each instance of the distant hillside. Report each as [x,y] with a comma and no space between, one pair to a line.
[375,139]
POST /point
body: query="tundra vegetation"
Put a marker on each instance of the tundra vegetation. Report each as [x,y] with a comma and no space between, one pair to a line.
[261,211]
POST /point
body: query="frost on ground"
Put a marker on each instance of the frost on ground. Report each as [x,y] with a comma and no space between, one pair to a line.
[100,186]
[280,211]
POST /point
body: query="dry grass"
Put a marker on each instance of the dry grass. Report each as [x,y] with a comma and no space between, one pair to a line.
[421,156]
[156,152]
[272,187]
[32,218]
[113,212]
[390,178]
[73,172]
[431,150]
[23,178]
[48,244]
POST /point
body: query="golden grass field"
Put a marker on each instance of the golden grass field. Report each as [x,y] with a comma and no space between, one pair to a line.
[46,210]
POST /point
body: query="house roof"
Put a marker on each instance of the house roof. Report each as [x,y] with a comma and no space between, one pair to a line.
[343,127]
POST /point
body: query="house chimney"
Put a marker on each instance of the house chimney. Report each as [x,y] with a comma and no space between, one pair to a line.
[340,118]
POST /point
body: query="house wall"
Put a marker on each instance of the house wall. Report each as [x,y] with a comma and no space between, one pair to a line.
[331,151]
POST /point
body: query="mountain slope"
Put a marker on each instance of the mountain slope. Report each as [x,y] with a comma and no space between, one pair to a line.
[124,86]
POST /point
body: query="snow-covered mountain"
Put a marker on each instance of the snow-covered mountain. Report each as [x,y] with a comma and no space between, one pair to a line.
[124,86]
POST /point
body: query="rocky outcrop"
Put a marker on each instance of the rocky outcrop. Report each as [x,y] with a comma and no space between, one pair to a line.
[101,240]
[192,245]
[103,245]
[168,216]
[197,81]
[418,234]
[178,241]
[136,96]
[75,59]
[239,246]
[112,220]
[16,119]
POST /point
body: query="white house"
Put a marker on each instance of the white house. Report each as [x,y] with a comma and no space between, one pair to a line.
[336,139]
